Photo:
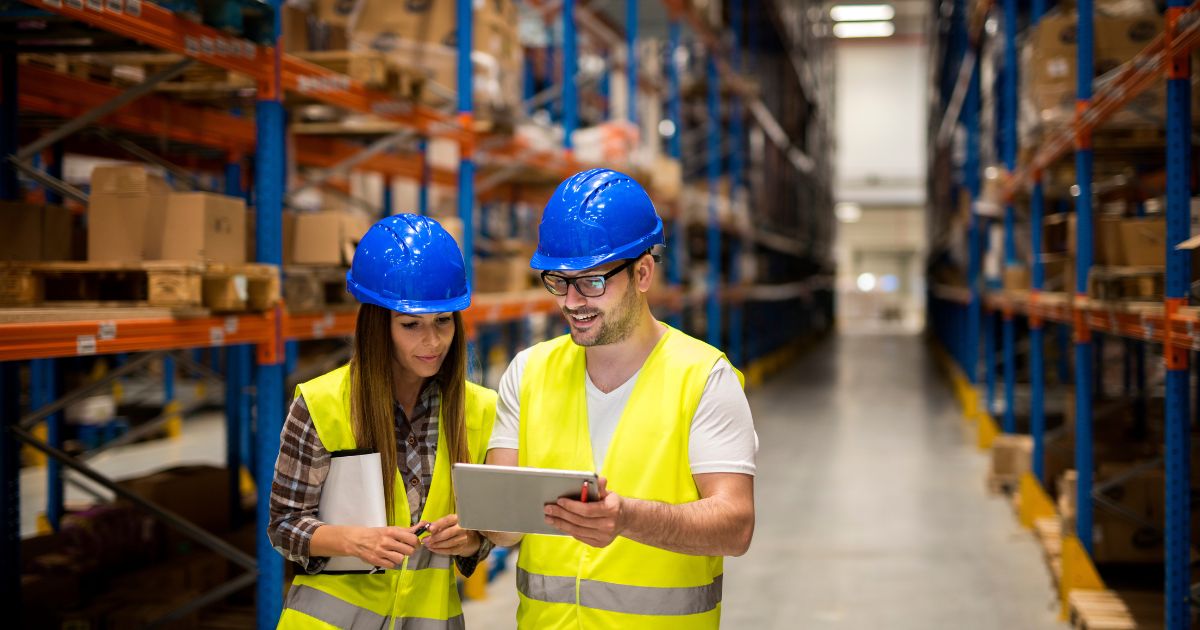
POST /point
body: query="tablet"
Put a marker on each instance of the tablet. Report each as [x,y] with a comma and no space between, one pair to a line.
[513,498]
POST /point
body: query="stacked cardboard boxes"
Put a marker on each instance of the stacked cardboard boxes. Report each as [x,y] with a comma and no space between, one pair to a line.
[135,216]
[422,37]
[35,232]
[1049,70]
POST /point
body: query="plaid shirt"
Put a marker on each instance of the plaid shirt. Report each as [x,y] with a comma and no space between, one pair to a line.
[303,465]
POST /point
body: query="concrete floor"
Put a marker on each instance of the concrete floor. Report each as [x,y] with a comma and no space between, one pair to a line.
[871,507]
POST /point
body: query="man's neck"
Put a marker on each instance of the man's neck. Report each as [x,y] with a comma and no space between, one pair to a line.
[611,365]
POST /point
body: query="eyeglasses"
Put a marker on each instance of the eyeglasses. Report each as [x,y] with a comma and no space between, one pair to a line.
[587,286]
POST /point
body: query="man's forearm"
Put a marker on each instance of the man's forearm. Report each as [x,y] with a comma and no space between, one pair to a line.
[707,527]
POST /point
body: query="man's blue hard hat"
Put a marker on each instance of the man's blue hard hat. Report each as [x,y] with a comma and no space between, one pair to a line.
[411,264]
[596,217]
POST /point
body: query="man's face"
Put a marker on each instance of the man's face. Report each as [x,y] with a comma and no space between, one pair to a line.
[608,319]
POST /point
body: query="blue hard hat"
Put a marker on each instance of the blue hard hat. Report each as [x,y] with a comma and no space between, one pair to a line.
[596,217]
[411,264]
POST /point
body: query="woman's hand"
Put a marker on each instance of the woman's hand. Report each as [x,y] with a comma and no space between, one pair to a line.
[448,539]
[378,546]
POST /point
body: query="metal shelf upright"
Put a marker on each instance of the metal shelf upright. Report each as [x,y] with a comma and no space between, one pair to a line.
[270,180]
[1083,263]
[1178,283]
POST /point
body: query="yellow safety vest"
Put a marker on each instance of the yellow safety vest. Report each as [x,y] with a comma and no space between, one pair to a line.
[564,583]
[422,594]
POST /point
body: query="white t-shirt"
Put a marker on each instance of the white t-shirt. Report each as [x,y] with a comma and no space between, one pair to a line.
[722,435]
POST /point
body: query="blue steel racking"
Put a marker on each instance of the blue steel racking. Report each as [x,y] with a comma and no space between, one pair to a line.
[955,314]
[260,346]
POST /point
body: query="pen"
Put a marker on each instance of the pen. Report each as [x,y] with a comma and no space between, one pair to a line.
[421,530]
[583,493]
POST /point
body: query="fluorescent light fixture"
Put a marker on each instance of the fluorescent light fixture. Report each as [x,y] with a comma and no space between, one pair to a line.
[847,212]
[847,30]
[862,13]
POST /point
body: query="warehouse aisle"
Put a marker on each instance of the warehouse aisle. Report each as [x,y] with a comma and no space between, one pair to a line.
[871,508]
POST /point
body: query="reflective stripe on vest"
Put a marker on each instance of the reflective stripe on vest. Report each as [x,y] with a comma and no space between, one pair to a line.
[332,610]
[421,623]
[637,600]
[423,558]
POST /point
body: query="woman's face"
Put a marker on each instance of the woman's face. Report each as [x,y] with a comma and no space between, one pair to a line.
[420,342]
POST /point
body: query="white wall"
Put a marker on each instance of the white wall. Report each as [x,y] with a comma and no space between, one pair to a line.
[880,121]
[885,241]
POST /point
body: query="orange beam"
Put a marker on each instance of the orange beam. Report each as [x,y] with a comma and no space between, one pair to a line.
[48,92]
[63,95]
[64,339]
[162,29]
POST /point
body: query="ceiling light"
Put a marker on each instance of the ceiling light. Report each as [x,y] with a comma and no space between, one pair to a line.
[846,30]
[862,12]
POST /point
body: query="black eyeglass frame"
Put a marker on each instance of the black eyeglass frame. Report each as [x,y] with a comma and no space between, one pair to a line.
[574,281]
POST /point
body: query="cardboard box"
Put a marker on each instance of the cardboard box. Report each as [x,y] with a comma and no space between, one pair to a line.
[294,22]
[1144,242]
[130,179]
[336,12]
[434,21]
[117,227]
[423,36]
[1011,456]
[502,274]
[1016,278]
[667,179]
[34,231]
[1048,68]
[199,494]
[204,227]
[1107,241]
[125,214]
[327,238]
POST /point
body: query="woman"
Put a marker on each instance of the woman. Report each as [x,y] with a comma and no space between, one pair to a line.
[405,395]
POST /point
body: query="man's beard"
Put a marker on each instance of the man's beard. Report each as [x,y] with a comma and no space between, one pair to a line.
[617,325]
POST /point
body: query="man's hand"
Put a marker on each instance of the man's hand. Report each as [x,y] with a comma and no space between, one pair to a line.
[594,523]
[448,539]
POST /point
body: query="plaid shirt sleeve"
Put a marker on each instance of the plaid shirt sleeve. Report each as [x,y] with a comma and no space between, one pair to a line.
[300,473]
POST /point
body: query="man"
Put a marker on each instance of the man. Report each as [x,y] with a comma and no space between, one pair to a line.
[659,415]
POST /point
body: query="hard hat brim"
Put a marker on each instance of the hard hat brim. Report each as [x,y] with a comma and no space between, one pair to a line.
[542,262]
[412,307]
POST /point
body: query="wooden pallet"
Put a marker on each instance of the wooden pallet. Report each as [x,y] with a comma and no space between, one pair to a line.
[1048,532]
[315,288]
[371,68]
[1001,484]
[1126,284]
[220,288]
[1110,610]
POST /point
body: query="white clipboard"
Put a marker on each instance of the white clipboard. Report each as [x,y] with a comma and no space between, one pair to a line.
[353,495]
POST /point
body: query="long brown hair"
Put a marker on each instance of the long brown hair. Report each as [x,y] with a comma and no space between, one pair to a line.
[371,400]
